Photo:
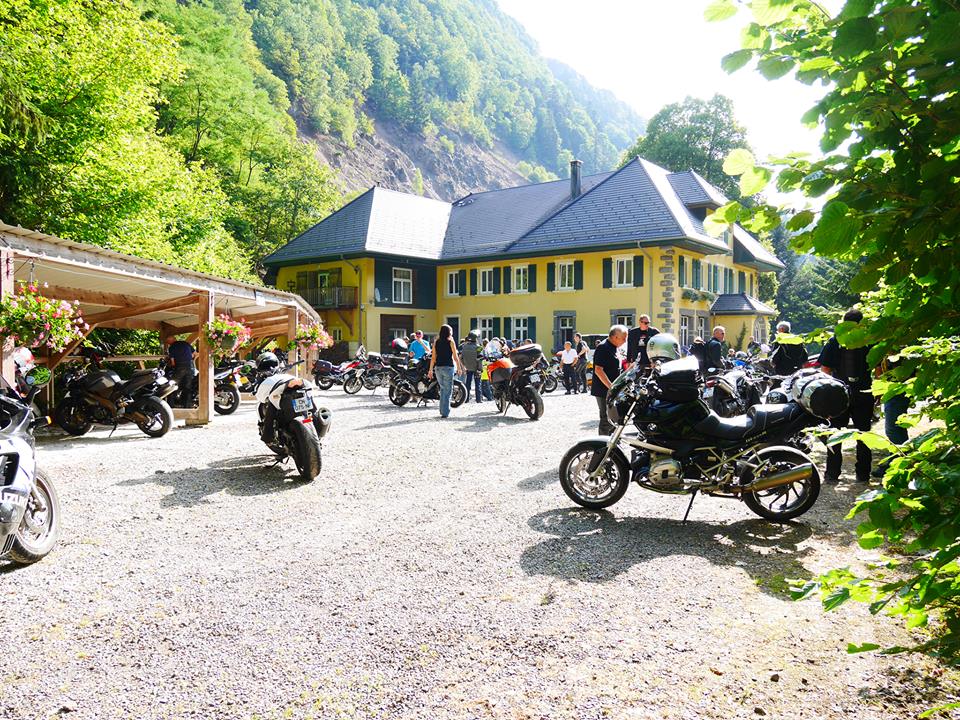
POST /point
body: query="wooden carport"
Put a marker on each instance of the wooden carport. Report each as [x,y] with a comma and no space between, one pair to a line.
[122,291]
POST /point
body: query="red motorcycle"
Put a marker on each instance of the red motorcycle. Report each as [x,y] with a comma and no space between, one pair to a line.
[514,379]
[326,374]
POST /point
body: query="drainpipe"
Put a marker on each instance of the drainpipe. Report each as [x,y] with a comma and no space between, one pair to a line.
[359,271]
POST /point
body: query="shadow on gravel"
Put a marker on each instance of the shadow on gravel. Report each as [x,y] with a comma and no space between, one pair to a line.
[599,546]
[540,481]
[243,477]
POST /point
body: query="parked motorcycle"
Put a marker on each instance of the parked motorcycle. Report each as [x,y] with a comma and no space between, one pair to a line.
[29,507]
[411,383]
[370,372]
[95,395]
[227,383]
[513,379]
[682,447]
[288,403]
[547,376]
[326,374]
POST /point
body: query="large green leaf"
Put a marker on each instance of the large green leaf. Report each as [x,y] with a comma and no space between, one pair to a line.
[738,162]
[735,60]
[773,67]
[719,10]
[753,180]
[836,230]
[854,37]
[944,37]
[769,12]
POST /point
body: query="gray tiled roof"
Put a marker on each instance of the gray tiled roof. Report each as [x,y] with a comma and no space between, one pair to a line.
[487,223]
[755,253]
[694,191]
[740,304]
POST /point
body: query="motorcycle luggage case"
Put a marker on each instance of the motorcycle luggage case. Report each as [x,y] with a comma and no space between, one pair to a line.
[820,394]
[500,375]
[679,380]
[322,366]
[526,355]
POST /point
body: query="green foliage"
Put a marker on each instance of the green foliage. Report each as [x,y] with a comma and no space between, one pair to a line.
[535,173]
[891,179]
[417,181]
[28,318]
[697,135]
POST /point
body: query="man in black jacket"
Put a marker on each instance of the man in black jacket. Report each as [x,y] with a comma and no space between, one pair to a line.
[637,341]
[715,348]
[789,353]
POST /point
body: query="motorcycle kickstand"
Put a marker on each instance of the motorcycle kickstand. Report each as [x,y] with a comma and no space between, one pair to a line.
[693,496]
[115,426]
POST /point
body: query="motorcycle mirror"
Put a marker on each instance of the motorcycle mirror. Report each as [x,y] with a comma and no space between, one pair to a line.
[37,377]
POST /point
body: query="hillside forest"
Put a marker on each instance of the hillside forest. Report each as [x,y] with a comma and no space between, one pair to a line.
[183,131]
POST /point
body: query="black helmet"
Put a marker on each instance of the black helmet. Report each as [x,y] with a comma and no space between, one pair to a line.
[398,345]
[473,336]
[267,362]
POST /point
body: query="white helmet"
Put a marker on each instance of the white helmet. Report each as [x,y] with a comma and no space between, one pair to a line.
[663,347]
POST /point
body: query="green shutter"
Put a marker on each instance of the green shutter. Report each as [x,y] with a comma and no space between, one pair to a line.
[532,328]
[496,282]
[551,277]
[531,278]
[506,279]
[608,272]
[507,330]
[473,281]
[578,274]
[474,325]
[638,270]
[496,327]
[741,282]
[462,282]
[682,271]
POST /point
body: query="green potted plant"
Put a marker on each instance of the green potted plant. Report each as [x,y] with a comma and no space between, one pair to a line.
[226,335]
[310,336]
[34,321]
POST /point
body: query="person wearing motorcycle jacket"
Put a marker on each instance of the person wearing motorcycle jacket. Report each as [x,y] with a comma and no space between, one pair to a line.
[789,353]
[637,340]
[606,369]
[181,355]
[715,348]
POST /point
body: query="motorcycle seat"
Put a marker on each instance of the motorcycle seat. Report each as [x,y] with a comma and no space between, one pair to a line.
[725,428]
[765,415]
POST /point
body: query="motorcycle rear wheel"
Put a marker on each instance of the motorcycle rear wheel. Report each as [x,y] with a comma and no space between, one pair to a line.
[786,502]
[352,385]
[39,529]
[601,492]
[70,416]
[532,403]
[306,449]
[324,382]
[399,397]
[226,399]
[158,417]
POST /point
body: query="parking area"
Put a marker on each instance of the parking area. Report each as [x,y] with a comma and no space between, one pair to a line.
[432,570]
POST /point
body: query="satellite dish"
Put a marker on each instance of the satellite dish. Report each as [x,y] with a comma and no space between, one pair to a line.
[376,294]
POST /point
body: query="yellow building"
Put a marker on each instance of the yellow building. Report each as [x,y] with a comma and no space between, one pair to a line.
[536,261]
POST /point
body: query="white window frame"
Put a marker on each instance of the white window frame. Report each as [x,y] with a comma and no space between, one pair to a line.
[516,272]
[570,273]
[627,264]
[701,328]
[515,324]
[482,273]
[337,334]
[684,330]
[629,319]
[485,326]
[452,286]
[403,282]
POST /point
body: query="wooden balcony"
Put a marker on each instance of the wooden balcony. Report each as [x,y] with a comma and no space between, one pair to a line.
[330,297]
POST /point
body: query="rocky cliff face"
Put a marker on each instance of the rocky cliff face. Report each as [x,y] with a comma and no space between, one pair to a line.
[393,155]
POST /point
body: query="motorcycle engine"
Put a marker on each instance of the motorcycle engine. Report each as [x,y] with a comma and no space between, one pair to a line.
[665,472]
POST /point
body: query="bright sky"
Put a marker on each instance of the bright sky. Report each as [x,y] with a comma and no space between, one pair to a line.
[654,52]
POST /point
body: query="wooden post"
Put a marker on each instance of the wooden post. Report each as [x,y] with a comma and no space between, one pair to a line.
[204,361]
[7,287]
[292,316]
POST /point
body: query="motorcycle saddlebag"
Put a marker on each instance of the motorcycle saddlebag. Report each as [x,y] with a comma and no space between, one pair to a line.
[322,366]
[526,355]
[821,395]
[500,375]
[678,381]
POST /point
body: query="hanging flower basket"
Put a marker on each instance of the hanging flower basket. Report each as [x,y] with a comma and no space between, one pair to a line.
[34,321]
[311,336]
[226,335]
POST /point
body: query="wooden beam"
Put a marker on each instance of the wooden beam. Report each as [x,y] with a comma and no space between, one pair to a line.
[292,317]
[268,323]
[132,311]
[95,297]
[204,361]
[57,358]
[278,329]
[278,314]
[132,324]
[346,318]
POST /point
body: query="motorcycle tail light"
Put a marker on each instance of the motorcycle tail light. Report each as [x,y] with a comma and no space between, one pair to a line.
[306,419]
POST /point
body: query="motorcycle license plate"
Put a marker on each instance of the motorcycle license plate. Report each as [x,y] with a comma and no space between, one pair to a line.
[301,405]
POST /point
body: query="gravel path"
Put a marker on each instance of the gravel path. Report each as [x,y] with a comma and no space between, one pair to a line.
[434,570]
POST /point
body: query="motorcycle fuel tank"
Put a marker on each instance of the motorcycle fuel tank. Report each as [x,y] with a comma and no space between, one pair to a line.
[101,380]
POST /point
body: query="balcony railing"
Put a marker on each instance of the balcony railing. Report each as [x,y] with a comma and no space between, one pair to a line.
[330,297]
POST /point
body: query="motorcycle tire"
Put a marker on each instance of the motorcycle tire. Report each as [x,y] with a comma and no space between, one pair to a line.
[228,393]
[532,403]
[550,384]
[352,385]
[605,490]
[37,533]
[159,417]
[399,397]
[763,503]
[71,418]
[324,382]
[306,449]
[458,396]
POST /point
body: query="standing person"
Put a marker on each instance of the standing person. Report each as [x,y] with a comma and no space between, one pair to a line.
[789,353]
[445,360]
[568,361]
[180,354]
[715,348]
[419,347]
[606,368]
[637,341]
[581,347]
[470,356]
[850,365]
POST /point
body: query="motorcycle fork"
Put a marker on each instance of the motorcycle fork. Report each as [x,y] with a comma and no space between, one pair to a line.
[611,444]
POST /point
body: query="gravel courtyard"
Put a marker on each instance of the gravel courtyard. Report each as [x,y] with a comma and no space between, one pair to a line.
[434,570]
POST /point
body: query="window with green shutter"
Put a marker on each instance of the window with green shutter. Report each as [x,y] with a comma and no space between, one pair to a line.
[638,270]
[551,277]
[741,282]
[608,272]
[506,278]
[682,271]
[531,277]
[473,281]
[578,274]
[462,282]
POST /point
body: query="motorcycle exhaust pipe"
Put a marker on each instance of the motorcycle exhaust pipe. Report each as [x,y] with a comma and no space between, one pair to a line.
[784,477]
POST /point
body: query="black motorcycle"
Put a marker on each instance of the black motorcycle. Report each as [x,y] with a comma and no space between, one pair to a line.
[514,380]
[411,383]
[228,381]
[95,395]
[683,447]
[29,508]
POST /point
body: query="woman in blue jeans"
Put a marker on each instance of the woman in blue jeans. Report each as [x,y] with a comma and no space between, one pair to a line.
[444,361]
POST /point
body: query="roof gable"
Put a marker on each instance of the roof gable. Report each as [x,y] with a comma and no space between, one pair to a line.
[740,304]
[694,191]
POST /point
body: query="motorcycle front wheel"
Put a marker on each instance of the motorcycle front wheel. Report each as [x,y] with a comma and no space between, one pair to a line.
[226,399]
[458,396]
[306,449]
[532,403]
[353,384]
[399,397]
[324,382]
[606,488]
[71,417]
[40,527]
[158,417]
[550,384]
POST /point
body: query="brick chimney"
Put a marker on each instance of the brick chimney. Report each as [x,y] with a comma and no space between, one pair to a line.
[575,179]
